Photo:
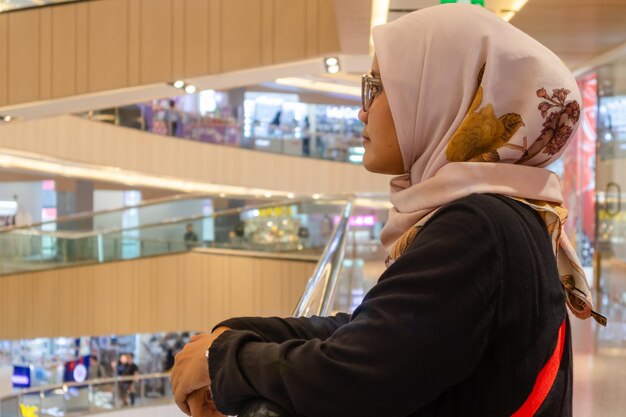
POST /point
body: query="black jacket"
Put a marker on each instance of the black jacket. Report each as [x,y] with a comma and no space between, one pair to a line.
[460,325]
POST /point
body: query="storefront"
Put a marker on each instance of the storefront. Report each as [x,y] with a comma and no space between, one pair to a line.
[594,176]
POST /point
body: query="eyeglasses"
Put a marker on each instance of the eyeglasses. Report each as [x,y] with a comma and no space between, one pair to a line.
[371,86]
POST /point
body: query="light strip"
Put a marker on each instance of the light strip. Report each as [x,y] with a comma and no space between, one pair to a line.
[380,12]
[516,7]
[320,86]
[38,163]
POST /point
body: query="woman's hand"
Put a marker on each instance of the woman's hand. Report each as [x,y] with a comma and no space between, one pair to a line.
[201,404]
[191,371]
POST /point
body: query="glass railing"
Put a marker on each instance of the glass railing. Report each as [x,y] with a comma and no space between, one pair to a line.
[89,397]
[335,139]
[290,226]
[144,213]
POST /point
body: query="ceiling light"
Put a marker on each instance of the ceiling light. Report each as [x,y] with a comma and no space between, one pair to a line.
[290,195]
[268,195]
[190,89]
[316,196]
[332,65]
[178,83]
[7,118]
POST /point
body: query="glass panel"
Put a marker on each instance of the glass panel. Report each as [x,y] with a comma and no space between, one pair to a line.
[30,404]
[288,227]
[364,259]
[270,122]
[155,391]
[611,200]
[10,407]
[103,397]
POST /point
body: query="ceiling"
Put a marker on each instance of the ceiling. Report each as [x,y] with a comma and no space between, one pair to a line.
[576,30]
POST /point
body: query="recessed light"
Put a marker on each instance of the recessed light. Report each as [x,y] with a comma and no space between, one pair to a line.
[190,89]
[179,84]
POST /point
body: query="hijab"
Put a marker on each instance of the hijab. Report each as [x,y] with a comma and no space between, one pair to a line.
[479,107]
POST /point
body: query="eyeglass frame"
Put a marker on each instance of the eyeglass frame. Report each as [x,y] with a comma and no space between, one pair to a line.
[372,81]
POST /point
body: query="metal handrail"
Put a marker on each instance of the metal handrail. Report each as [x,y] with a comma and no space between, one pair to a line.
[325,276]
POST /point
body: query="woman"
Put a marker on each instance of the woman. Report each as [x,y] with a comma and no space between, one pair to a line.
[470,317]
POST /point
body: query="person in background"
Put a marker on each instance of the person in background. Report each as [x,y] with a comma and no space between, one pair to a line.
[96,369]
[173,118]
[131,369]
[191,238]
[120,368]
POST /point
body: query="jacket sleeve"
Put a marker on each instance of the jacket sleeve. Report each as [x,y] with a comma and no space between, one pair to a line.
[278,330]
[421,329]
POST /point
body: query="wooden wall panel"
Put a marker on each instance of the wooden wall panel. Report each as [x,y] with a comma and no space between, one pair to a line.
[102,296]
[241,34]
[45,304]
[290,30]
[267,32]
[45,53]
[328,35]
[63,72]
[110,44]
[215,36]
[312,18]
[196,38]
[156,41]
[4,63]
[189,291]
[82,48]
[23,56]
[107,45]
[134,50]
[178,38]
[163,292]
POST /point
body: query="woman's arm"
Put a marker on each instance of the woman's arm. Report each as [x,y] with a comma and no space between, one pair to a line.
[420,330]
[278,330]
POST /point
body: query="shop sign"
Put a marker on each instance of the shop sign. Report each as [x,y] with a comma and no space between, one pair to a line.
[29,410]
[285,211]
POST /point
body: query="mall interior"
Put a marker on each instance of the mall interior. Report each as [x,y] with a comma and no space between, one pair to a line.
[167,164]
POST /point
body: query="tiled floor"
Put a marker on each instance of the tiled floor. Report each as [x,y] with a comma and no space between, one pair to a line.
[600,364]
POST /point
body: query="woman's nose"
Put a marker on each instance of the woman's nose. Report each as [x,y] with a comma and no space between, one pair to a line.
[363,116]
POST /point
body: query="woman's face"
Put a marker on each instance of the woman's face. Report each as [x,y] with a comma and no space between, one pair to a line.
[382,151]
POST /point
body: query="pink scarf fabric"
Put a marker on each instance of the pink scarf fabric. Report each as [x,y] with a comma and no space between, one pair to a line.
[479,107]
